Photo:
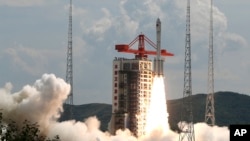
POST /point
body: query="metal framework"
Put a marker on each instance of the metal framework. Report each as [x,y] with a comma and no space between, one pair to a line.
[141,52]
[131,94]
[209,115]
[186,124]
[132,83]
[69,71]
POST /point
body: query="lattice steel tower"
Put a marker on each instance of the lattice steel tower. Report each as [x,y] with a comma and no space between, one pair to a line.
[69,71]
[187,129]
[209,115]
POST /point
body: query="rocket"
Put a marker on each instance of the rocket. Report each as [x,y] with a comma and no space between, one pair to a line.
[158,61]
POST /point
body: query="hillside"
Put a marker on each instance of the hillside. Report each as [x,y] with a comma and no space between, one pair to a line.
[230,108]
[82,112]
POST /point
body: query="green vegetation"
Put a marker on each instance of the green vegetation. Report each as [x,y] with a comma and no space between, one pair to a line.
[27,132]
[230,108]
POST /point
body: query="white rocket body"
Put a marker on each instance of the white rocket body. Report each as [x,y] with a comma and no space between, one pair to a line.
[158,61]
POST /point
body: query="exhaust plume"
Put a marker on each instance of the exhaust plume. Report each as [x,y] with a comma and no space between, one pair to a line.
[42,103]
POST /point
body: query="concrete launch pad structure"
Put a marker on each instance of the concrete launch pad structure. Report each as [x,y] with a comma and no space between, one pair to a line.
[132,83]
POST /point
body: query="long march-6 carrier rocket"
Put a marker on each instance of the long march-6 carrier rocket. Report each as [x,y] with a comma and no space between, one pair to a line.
[158,61]
[132,83]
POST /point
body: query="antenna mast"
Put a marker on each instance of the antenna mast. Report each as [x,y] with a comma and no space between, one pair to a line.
[69,71]
[209,115]
[187,129]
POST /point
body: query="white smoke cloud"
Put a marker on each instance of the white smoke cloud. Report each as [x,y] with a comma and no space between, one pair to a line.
[42,103]
[39,103]
[203,132]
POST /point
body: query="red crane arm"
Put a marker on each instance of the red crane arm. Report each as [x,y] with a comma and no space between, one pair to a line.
[141,52]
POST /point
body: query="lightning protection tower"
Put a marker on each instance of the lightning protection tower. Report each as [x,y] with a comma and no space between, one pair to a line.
[186,125]
[69,71]
[209,115]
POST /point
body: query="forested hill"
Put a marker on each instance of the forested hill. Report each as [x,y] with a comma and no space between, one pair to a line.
[230,108]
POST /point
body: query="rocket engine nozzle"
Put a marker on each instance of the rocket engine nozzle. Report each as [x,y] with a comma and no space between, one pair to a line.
[158,67]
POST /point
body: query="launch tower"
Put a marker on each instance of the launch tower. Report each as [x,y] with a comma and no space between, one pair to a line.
[132,83]
[210,113]
[187,129]
[69,70]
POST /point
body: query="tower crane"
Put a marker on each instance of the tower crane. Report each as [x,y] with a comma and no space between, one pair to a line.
[141,52]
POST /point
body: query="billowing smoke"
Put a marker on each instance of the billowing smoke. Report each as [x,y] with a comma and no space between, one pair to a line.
[42,103]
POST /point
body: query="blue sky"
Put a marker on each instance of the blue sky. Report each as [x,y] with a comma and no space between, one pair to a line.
[34,41]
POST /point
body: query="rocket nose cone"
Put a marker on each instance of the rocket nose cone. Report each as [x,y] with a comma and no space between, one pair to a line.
[158,20]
